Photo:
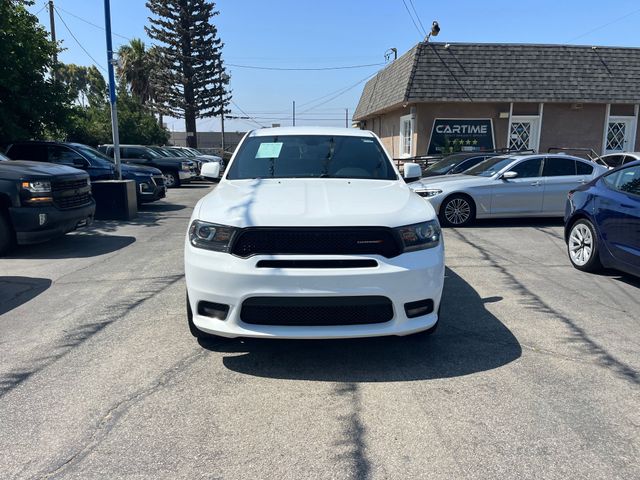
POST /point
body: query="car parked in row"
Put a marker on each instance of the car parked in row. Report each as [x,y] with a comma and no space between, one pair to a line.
[456,163]
[616,159]
[39,201]
[176,170]
[507,186]
[150,185]
[602,222]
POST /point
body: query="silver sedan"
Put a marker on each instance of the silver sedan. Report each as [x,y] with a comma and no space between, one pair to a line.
[507,186]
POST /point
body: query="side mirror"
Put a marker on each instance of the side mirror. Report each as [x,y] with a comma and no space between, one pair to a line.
[509,175]
[412,172]
[210,171]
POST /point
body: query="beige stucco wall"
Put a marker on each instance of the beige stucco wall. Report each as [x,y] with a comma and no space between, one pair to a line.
[563,126]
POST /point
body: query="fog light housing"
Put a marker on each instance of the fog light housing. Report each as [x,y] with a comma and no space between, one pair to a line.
[218,311]
[419,308]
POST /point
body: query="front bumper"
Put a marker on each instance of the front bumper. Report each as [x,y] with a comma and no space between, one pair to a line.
[223,278]
[28,228]
[150,191]
[185,175]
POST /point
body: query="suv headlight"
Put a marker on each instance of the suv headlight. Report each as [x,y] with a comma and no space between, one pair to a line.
[428,192]
[37,186]
[211,236]
[185,165]
[419,236]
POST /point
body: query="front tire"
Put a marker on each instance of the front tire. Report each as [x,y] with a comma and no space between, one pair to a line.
[7,235]
[171,179]
[195,331]
[457,211]
[583,247]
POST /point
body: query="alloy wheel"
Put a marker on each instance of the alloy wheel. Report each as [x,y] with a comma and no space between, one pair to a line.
[580,244]
[457,211]
[170,180]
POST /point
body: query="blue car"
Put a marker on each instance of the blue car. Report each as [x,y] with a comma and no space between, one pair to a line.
[602,222]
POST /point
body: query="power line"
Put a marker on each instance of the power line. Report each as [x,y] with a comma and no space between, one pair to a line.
[250,117]
[418,17]
[342,92]
[422,35]
[42,8]
[604,25]
[299,69]
[77,41]
[91,23]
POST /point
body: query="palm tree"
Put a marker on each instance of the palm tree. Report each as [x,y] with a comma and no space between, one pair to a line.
[135,68]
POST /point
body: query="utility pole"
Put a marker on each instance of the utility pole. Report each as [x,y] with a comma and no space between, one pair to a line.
[294,113]
[346,118]
[112,89]
[52,23]
[223,78]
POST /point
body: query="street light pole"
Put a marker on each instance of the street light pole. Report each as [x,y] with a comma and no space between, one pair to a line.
[112,89]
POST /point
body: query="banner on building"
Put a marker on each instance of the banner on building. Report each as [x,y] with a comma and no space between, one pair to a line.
[451,135]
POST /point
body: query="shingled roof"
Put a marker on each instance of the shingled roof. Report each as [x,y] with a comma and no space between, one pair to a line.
[462,72]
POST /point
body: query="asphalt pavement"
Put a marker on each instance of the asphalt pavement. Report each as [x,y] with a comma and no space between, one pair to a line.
[534,371]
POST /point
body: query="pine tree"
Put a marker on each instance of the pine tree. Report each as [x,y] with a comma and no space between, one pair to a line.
[190,80]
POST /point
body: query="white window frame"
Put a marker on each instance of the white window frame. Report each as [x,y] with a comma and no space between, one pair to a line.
[633,132]
[402,143]
[527,118]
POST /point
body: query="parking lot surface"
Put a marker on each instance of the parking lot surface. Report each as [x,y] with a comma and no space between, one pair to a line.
[533,372]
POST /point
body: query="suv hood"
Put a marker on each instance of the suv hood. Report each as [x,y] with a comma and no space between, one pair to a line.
[23,168]
[128,167]
[313,202]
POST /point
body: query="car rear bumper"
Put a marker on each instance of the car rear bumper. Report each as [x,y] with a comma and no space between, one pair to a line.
[224,279]
[35,225]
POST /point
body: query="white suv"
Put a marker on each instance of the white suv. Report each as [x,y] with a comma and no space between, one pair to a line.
[312,233]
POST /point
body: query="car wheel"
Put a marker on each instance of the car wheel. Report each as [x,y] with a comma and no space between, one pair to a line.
[7,235]
[171,179]
[583,247]
[457,211]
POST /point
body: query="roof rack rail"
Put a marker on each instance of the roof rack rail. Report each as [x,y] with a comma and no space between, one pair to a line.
[590,152]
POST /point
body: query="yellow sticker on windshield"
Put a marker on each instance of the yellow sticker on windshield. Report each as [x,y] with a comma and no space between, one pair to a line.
[269,150]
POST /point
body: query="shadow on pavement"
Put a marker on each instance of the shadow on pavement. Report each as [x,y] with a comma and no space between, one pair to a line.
[80,245]
[14,291]
[469,340]
[160,207]
[517,222]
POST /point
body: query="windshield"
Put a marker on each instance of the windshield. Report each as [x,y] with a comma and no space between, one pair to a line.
[93,154]
[489,167]
[309,156]
[445,164]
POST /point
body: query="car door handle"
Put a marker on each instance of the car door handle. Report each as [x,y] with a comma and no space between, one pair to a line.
[536,184]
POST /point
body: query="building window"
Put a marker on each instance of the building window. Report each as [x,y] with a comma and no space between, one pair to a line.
[406,136]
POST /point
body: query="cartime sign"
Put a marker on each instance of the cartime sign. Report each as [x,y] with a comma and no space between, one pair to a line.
[461,135]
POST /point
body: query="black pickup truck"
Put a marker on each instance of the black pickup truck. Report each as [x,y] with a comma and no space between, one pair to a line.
[40,201]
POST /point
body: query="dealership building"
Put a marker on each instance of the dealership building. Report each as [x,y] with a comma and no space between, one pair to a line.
[440,98]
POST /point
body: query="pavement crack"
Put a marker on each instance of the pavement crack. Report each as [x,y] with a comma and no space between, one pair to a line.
[110,419]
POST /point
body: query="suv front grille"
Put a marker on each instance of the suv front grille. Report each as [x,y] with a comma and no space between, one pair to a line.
[159,179]
[319,311]
[316,241]
[69,194]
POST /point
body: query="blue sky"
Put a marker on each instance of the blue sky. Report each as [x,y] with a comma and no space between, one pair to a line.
[328,33]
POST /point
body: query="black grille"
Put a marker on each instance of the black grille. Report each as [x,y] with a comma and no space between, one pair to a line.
[62,185]
[318,311]
[364,263]
[316,241]
[73,201]
[159,179]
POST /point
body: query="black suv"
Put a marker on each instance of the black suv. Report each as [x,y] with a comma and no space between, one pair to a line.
[150,184]
[176,170]
[40,201]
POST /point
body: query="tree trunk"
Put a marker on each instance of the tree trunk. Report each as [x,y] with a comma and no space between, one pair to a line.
[190,124]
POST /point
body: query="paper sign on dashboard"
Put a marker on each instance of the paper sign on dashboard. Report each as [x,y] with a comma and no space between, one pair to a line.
[269,150]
